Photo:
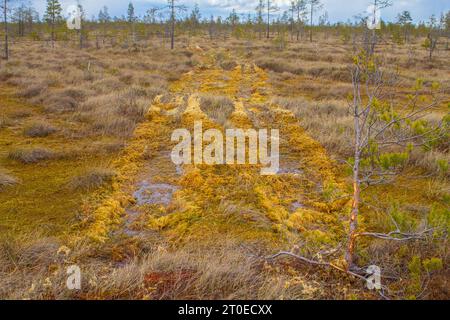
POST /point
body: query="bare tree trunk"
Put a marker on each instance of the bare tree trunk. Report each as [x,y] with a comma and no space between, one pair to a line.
[6,30]
[292,25]
[311,25]
[53,34]
[268,19]
[172,35]
[351,246]
[80,33]
[352,235]
[373,43]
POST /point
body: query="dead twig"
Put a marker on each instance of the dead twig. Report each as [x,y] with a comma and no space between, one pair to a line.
[314,262]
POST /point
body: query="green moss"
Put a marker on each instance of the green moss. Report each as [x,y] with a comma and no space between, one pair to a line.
[41,202]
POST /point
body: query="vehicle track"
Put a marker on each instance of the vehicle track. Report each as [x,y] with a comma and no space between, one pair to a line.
[205,202]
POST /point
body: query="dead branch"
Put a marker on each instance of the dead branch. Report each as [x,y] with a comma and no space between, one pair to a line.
[397,235]
[316,263]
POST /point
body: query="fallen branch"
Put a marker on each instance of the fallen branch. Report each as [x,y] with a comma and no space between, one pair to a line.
[317,263]
[327,264]
[401,235]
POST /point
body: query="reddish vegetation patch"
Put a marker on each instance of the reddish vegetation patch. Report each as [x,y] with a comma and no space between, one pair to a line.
[164,282]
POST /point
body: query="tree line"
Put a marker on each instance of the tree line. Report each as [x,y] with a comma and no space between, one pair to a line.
[297,23]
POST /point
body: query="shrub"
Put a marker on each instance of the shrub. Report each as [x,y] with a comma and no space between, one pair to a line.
[432,265]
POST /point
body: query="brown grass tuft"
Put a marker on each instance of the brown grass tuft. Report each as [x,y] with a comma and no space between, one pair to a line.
[39,130]
[92,179]
[7,180]
[28,156]
[216,107]
[32,91]
[4,122]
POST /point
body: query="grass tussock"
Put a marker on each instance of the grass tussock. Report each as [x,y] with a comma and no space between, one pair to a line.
[228,65]
[93,178]
[434,162]
[39,130]
[32,91]
[33,155]
[217,107]
[4,122]
[327,121]
[99,96]
[279,66]
[7,180]
[225,271]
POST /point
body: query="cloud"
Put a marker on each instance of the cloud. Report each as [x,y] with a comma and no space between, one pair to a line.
[338,10]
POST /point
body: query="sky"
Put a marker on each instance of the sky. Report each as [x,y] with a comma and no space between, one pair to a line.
[337,10]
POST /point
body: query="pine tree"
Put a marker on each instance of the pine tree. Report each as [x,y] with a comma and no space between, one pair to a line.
[53,16]
[270,8]
[131,16]
[173,8]
[259,17]
[405,20]
[4,6]
[301,12]
[313,6]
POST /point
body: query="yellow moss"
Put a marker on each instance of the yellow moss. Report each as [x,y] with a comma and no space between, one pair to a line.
[42,202]
[149,136]
[237,200]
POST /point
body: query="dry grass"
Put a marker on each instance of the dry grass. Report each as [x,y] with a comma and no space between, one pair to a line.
[106,89]
[98,97]
[279,65]
[33,90]
[7,180]
[33,155]
[228,64]
[4,122]
[224,271]
[217,107]
[39,130]
[327,121]
[434,162]
[93,178]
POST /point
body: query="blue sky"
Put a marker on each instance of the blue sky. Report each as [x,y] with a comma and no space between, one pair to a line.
[338,10]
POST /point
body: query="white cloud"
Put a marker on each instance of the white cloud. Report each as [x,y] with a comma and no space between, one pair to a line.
[338,10]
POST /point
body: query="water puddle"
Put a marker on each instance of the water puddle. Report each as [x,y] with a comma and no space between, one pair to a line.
[287,169]
[150,194]
[295,206]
